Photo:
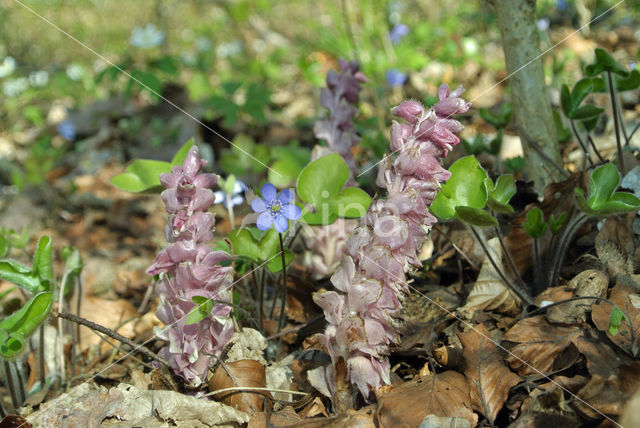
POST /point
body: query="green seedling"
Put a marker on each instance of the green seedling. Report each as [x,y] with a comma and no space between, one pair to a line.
[321,185]
[556,224]
[501,194]
[535,226]
[603,198]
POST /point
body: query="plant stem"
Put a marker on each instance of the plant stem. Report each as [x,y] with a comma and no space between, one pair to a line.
[41,357]
[97,327]
[565,239]
[585,149]
[632,132]
[595,150]
[522,294]
[11,385]
[263,275]
[616,123]
[536,255]
[284,285]
[232,218]
[512,264]
[61,328]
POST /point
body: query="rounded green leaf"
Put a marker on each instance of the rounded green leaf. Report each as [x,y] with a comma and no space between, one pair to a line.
[322,179]
[475,216]
[352,202]
[587,111]
[605,62]
[501,194]
[244,244]
[17,327]
[141,175]
[603,182]
[181,154]
[465,187]
[535,226]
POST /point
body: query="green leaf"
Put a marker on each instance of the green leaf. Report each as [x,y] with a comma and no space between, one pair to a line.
[43,259]
[352,202]
[535,226]
[275,264]
[4,244]
[322,179]
[148,81]
[20,240]
[603,182]
[199,312]
[475,216]
[615,320]
[629,83]
[244,244]
[73,268]
[15,329]
[499,120]
[587,111]
[565,100]
[500,196]
[20,275]
[166,64]
[581,90]
[225,108]
[465,187]
[620,202]
[556,224]
[605,62]
[563,134]
[181,154]
[476,146]
[141,175]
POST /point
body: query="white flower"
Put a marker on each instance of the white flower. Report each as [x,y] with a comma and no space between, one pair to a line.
[39,79]
[147,37]
[7,67]
[75,71]
[236,198]
[14,87]
[203,44]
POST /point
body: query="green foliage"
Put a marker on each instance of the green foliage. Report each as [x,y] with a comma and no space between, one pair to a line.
[478,145]
[603,199]
[15,329]
[244,157]
[72,267]
[571,100]
[501,118]
[259,248]
[514,164]
[288,162]
[501,194]
[535,226]
[224,103]
[615,320]
[556,224]
[604,62]
[320,184]
[563,134]
[199,312]
[143,174]
[465,194]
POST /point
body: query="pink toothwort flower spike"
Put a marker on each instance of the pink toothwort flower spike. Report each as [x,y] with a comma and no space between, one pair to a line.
[371,281]
[188,268]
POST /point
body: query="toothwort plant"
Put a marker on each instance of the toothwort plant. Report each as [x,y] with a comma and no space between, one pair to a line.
[188,268]
[371,280]
[327,244]
[340,97]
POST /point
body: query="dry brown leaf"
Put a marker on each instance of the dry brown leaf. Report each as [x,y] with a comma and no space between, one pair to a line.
[602,359]
[488,377]
[608,395]
[285,417]
[108,313]
[617,229]
[241,373]
[587,283]
[631,413]
[519,244]
[627,337]
[539,344]
[444,394]
[489,293]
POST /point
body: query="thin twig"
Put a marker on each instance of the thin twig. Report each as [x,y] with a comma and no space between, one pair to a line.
[97,327]
[616,123]
[585,149]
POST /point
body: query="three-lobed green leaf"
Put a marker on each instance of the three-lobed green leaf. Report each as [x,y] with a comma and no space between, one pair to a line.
[260,250]
[603,199]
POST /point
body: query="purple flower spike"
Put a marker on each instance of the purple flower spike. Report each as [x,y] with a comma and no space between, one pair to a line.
[275,209]
[187,267]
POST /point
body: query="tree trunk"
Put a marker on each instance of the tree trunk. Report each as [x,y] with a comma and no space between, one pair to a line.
[532,109]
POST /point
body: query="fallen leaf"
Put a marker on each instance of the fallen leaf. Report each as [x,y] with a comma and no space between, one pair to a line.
[587,283]
[538,344]
[614,257]
[242,373]
[489,293]
[108,313]
[627,337]
[444,394]
[608,395]
[631,413]
[488,377]
[14,421]
[519,244]
[616,229]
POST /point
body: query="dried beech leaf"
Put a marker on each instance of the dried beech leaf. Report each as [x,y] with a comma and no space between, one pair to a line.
[242,373]
[602,359]
[601,312]
[444,394]
[587,283]
[488,377]
[608,395]
[519,244]
[614,257]
[539,344]
[489,293]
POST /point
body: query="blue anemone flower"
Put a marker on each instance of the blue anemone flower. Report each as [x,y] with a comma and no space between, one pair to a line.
[275,209]
[398,32]
[395,78]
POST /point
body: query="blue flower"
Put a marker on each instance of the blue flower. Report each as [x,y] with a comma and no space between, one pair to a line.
[236,197]
[395,77]
[397,33]
[275,208]
[67,130]
[632,65]
[562,5]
